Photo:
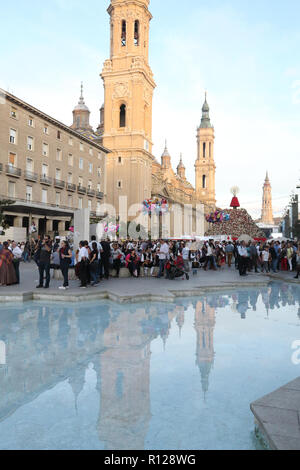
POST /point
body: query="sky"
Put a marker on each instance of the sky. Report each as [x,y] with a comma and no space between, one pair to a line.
[245,54]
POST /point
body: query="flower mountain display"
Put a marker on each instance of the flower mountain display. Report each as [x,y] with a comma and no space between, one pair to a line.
[239,223]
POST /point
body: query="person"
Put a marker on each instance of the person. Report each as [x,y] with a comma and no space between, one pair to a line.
[65,257]
[100,250]
[133,264]
[243,258]
[265,260]
[83,261]
[26,252]
[162,254]
[298,261]
[43,258]
[186,257]
[105,256]
[229,252]
[290,254]
[17,254]
[274,257]
[117,257]
[7,270]
[253,256]
[94,263]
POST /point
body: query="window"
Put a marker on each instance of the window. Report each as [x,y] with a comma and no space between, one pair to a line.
[70,201]
[120,160]
[12,136]
[123,115]
[13,113]
[44,196]
[58,174]
[99,156]
[59,155]
[204,182]
[89,204]
[12,159]
[30,121]
[81,147]
[91,168]
[45,170]
[99,188]
[204,150]
[28,193]
[98,208]
[29,165]
[119,184]
[70,159]
[11,189]
[90,185]
[137,33]
[45,150]
[70,178]
[80,181]
[30,143]
[46,129]
[57,199]
[123,34]
[71,141]
[80,163]
[80,203]
[91,152]
[99,172]
[59,135]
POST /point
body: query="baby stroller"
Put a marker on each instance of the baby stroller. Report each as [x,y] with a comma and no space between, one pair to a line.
[176,269]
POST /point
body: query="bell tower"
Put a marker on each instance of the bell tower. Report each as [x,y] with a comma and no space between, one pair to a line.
[267,208]
[128,89]
[205,167]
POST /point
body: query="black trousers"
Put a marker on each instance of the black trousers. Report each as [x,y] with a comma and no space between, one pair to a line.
[117,266]
[83,272]
[243,264]
[17,269]
[44,268]
[65,272]
[105,265]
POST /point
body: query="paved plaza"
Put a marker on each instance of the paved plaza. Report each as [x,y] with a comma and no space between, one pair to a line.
[135,290]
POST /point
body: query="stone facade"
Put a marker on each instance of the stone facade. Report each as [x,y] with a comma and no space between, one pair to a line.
[267,207]
[48,169]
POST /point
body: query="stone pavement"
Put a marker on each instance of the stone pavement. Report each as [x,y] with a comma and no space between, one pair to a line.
[278,417]
[130,290]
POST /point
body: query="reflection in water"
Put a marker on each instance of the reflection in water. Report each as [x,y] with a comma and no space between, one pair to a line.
[45,345]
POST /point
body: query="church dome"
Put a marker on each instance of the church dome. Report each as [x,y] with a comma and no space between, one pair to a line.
[81,106]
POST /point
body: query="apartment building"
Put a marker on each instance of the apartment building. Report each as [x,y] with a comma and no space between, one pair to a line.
[49,169]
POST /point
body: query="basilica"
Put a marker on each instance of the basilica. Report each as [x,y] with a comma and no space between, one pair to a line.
[125,127]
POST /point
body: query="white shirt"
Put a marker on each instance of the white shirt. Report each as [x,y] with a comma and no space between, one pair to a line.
[17,252]
[243,251]
[164,251]
[185,253]
[265,255]
[83,253]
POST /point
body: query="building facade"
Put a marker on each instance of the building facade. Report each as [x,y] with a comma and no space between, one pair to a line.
[48,169]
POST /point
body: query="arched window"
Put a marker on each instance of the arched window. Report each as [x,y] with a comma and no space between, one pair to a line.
[204,182]
[204,150]
[124,33]
[123,115]
[137,33]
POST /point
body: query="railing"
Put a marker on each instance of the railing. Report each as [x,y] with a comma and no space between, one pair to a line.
[81,190]
[71,187]
[91,192]
[13,171]
[44,179]
[29,176]
[59,184]
[99,195]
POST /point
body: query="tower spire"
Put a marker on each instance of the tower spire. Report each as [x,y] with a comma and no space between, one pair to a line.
[205,121]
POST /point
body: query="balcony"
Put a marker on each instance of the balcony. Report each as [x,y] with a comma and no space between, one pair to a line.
[59,184]
[91,192]
[13,171]
[99,195]
[29,176]
[44,179]
[81,190]
[71,187]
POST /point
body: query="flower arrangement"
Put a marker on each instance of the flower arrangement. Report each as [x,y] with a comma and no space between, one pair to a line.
[111,228]
[217,217]
[239,223]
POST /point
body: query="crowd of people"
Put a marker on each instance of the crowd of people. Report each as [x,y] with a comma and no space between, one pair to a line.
[94,261]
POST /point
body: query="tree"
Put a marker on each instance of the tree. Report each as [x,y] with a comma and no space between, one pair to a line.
[3,205]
